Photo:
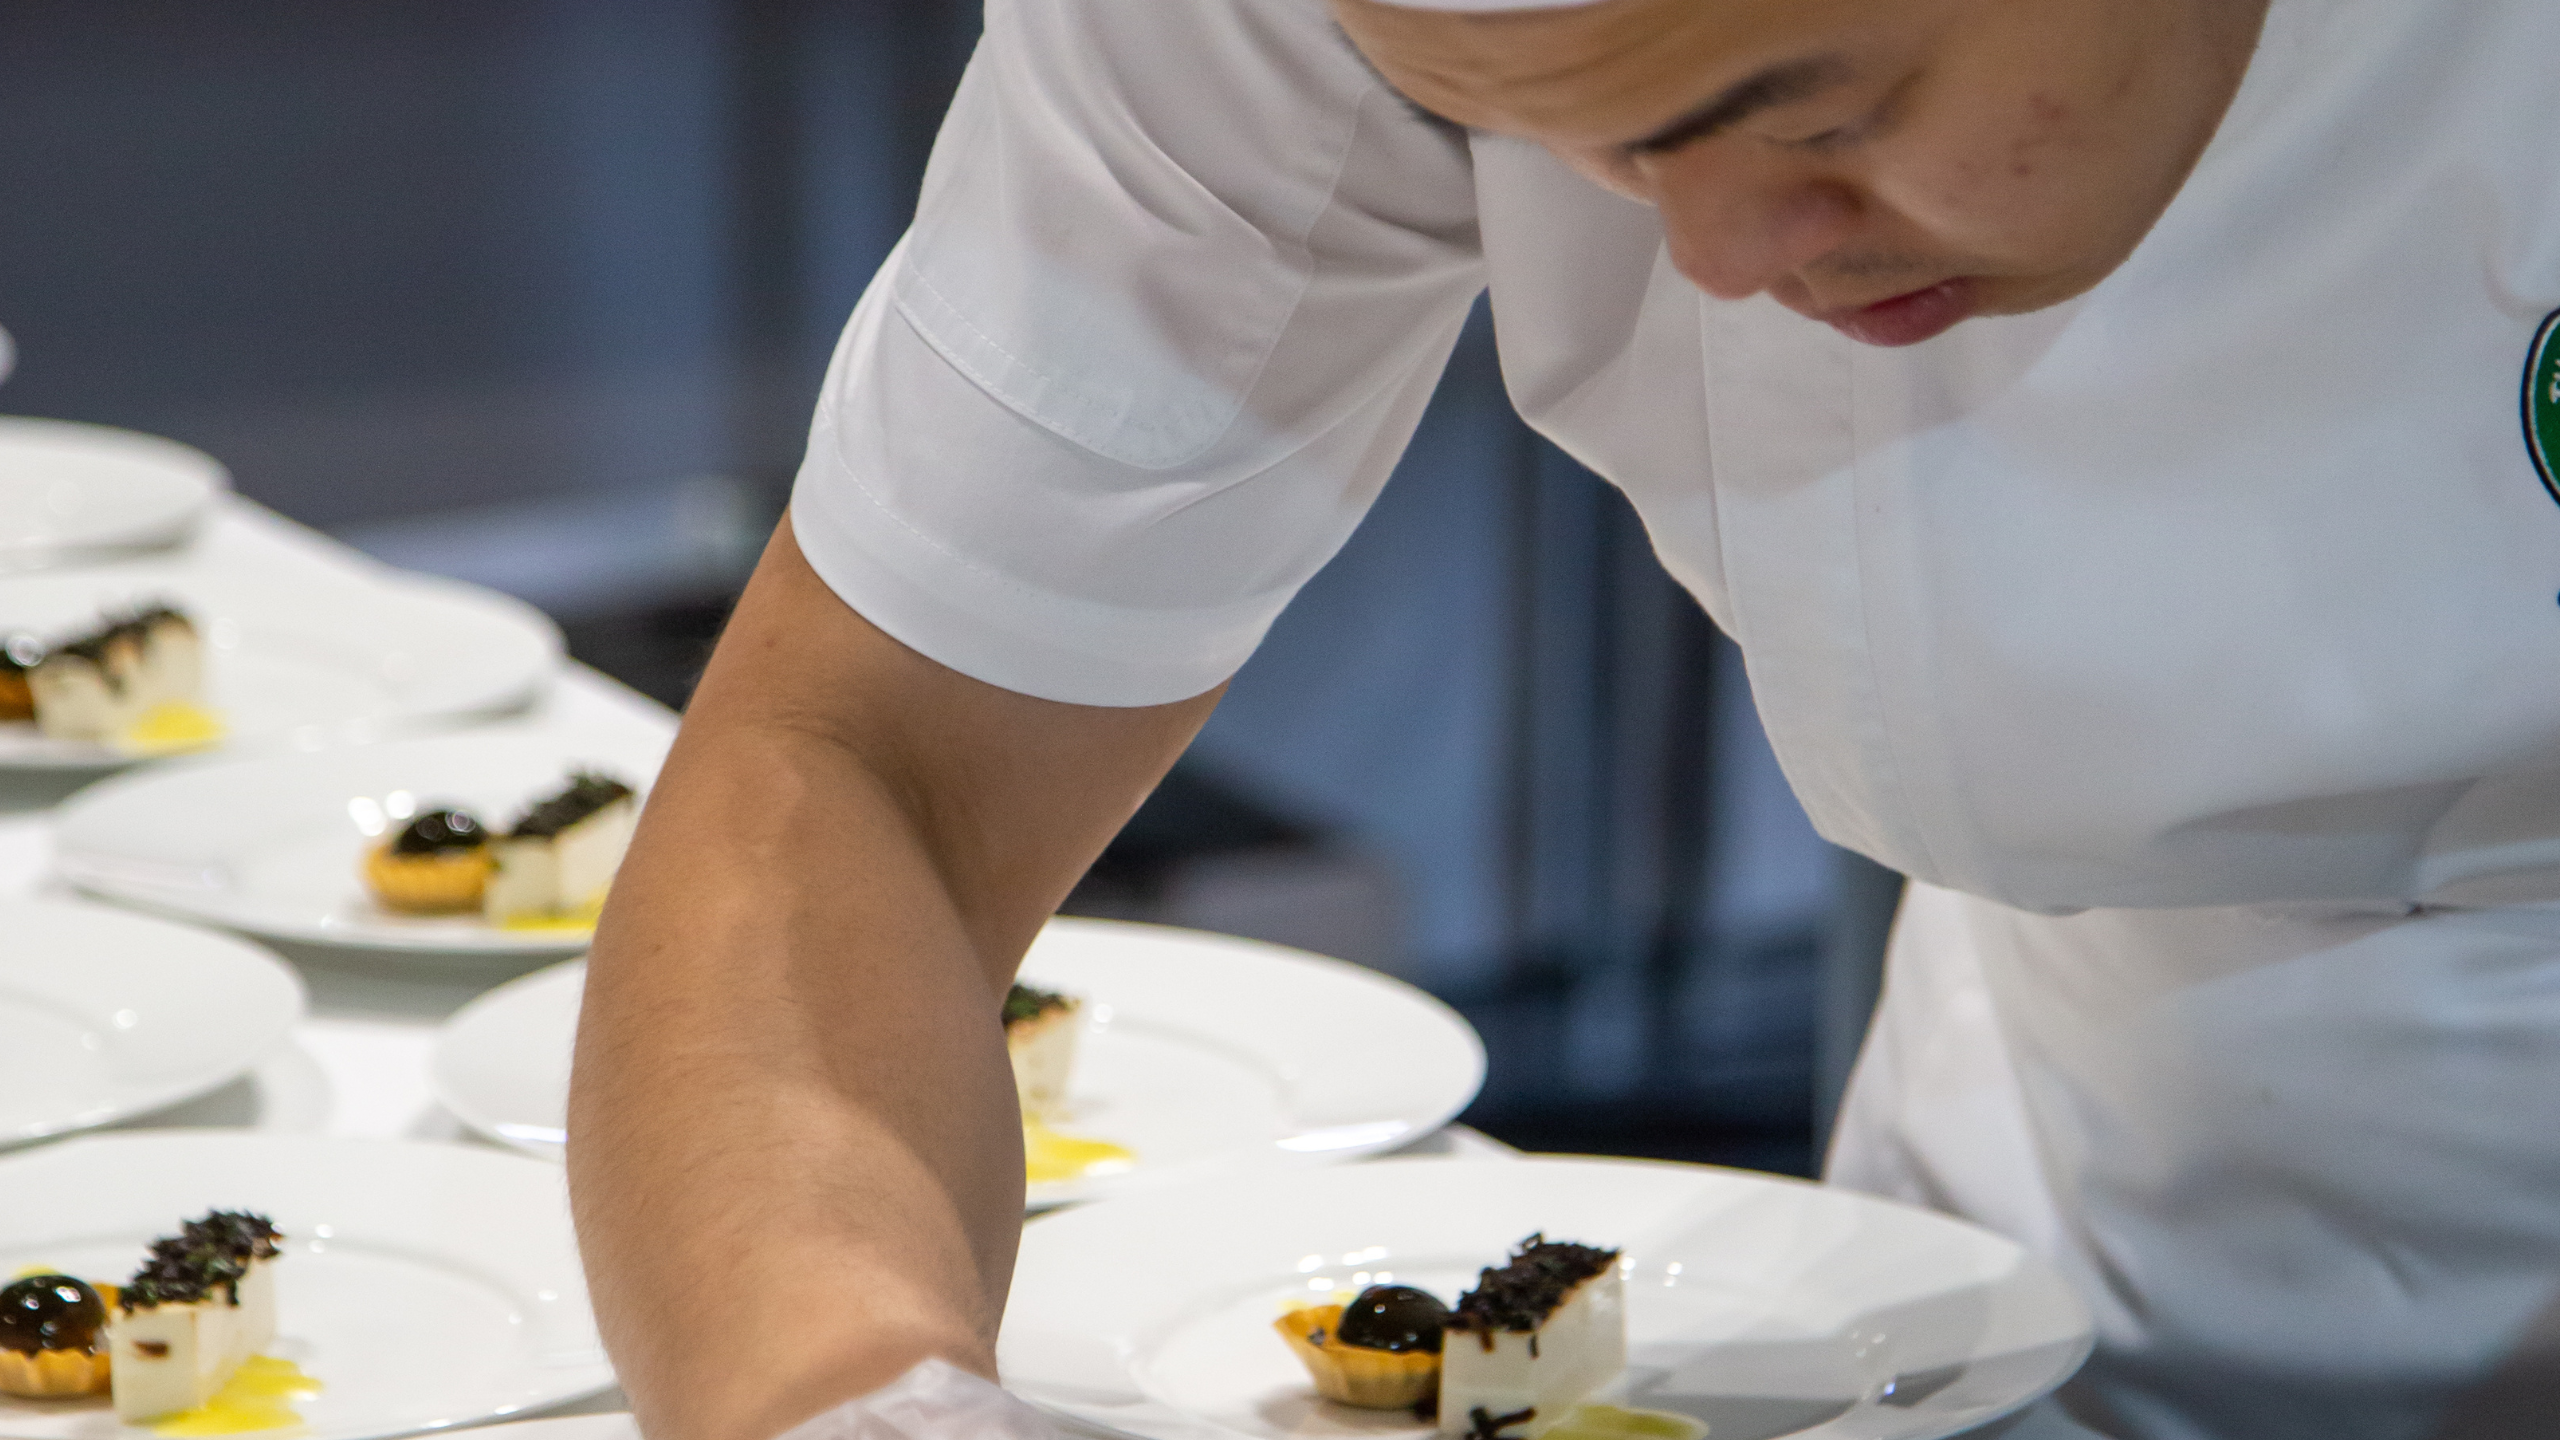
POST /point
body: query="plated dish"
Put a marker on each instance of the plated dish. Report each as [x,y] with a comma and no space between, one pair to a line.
[69,491]
[1755,1306]
[283,846]
[375,1287]
[109,1015]
[1194,1055]
[271,660]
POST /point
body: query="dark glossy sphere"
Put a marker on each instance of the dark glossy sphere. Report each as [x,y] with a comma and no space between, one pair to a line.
[1393,1317]
[50,1312]
[440,830]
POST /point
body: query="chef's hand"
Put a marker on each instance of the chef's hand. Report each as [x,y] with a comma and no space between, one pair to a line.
[794,1151]
[933,1401]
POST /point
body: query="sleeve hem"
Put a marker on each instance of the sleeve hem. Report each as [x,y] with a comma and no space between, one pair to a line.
[983,625]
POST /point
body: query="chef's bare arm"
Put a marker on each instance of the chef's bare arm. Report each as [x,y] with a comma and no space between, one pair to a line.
[794,1152]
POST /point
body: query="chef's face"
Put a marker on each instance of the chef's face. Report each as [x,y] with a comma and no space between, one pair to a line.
[1889,166]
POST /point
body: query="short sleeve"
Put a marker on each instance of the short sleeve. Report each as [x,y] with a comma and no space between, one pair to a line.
[1182,278]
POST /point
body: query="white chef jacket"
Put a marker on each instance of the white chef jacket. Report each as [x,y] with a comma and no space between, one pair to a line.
[2195,645]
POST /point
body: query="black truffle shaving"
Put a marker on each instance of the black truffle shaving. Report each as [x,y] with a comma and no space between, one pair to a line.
[1521,1295]
[440,830]
[205,1255]
[118,625]
[1482,1426]
[588,793]
[1025,1002]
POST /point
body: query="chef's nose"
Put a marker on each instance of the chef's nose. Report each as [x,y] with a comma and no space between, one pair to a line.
[1738,223]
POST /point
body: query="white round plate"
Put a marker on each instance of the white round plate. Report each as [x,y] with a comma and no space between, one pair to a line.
[275,846]
[423,1285]
[287,661]
[105,1015]
[69,490]
[1204,1054]
[1765,1307]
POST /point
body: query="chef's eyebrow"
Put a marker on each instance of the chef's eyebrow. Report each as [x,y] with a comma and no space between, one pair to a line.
[1780,84]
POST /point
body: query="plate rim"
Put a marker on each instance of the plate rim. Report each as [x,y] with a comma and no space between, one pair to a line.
[256,957]
[209,478]
[1202,1198]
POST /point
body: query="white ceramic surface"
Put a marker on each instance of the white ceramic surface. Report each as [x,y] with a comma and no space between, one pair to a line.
[291,661]
[1765,1307]
[106,1015]
[274,846]
[69,490]
[424,1285]
[612,1425]
[1204,1054]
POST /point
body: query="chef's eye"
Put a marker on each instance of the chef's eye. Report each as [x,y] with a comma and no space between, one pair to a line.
[1838,137]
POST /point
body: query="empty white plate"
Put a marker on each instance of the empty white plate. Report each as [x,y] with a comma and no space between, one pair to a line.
[1204,1055]
[275,846]
[293,659]
[105,1015]
[1765,1307]
[424,1286]
[69,490]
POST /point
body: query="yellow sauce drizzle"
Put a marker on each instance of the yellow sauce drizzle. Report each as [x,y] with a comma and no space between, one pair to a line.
[1049,1157]
[173,726]
[1610,1422]
[258,1396]
[581,919]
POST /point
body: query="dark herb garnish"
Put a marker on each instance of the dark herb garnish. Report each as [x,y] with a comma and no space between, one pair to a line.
[1024,1002]
[1482,1426]
[122,625]
[440,830]
[588,793]
[1395,1318]
[1523,1293]
[50,1312]
[204,1256]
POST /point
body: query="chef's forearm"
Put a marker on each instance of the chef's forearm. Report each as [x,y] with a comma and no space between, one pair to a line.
[795,1158]
[793,1145]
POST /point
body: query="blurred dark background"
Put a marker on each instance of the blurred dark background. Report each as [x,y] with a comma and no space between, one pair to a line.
[538,293]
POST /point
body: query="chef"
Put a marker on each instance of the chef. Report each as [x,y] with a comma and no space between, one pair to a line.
[2118,434]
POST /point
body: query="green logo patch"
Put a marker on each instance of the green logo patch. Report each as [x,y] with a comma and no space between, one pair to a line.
[2542,401]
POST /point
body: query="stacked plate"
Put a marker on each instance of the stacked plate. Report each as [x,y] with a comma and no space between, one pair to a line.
[109,1016]
[71,492]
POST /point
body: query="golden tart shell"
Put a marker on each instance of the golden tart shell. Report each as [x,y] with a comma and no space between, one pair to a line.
[53,1374]
[441,882]
[1355,1374]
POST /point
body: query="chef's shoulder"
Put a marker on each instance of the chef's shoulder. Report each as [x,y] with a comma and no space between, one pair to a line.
[1262,104]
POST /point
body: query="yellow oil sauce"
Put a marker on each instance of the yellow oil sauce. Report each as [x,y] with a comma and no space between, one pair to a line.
[259,1396]
[577,921]
[1049,1157]
[1611,1422]
[171,727]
